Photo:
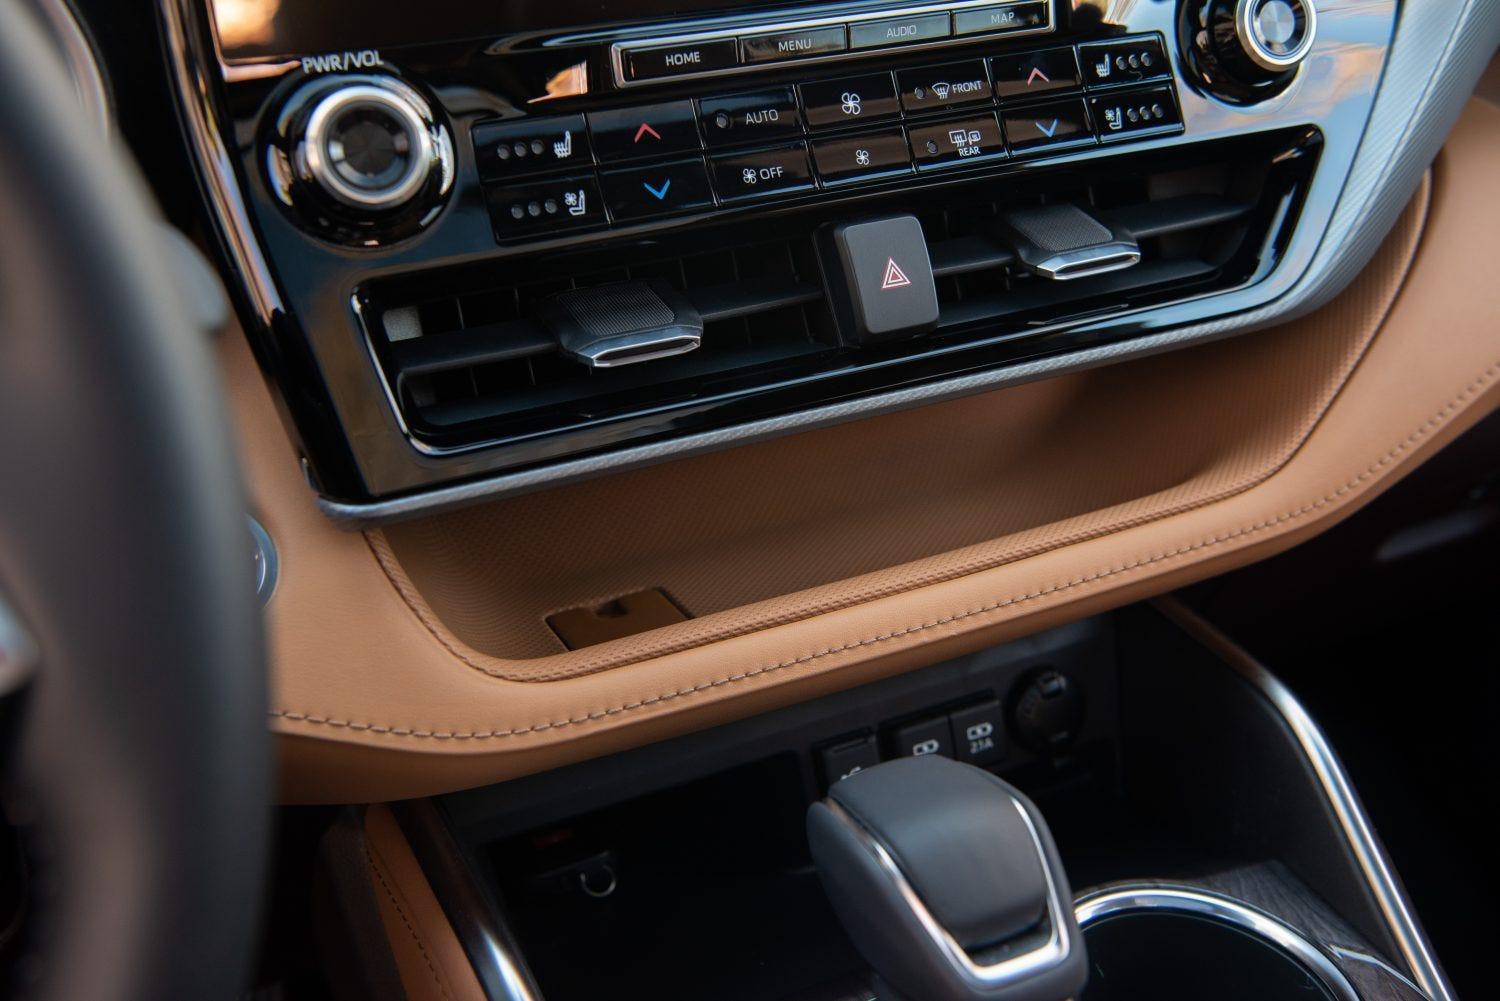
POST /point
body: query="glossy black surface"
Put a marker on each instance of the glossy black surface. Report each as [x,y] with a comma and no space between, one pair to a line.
[498,81]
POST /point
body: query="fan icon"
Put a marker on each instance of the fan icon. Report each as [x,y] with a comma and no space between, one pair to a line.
[748,176]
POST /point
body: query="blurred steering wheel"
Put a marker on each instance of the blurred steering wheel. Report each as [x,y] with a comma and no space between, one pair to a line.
[132,686]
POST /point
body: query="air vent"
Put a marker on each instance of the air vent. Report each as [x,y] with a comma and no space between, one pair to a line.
[471,363]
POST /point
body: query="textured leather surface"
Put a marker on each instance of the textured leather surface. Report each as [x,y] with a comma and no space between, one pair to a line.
[754,537]
[952,528]
[428,955]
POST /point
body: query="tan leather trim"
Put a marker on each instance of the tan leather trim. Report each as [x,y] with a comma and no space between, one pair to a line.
[428,955]
[373,703]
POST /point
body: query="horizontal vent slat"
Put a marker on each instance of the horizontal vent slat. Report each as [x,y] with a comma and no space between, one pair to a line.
[1175,215]
[459,349]
[732,301]
[1041,294]
[965,254]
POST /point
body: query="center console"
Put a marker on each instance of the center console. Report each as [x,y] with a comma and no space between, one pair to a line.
[1213,845]
[487,250]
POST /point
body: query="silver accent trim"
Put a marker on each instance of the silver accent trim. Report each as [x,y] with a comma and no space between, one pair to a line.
[1086,262]
[1416,951]
[1255,46]
[488,944]
[629,349]
[215,169]
[83,63]
[267,563]
[1052,953]
[1124,900]
[320,161]
[687,36]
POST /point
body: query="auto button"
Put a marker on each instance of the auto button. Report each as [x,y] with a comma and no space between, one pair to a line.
[760,117]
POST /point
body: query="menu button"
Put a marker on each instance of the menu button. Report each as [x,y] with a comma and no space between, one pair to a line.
[793,44]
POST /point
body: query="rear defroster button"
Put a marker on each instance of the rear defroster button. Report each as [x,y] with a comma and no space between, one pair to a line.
[762,173]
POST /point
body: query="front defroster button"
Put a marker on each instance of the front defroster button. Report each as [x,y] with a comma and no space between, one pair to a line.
[762,173]
[935,88]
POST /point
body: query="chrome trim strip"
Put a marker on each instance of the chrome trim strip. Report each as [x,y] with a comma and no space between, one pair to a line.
[1124,900]
[215,169]
[1416,951]
[319,156]
[687,35]
[1255,47]
[267,562]
[83,63]
[1054,952]
[1086,262]
[491,949]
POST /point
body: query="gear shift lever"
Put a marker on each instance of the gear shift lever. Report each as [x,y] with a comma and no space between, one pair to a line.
[947,880]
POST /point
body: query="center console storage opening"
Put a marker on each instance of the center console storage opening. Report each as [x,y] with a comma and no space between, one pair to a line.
[808,523]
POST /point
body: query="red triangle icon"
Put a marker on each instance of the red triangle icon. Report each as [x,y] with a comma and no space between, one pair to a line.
[894,276]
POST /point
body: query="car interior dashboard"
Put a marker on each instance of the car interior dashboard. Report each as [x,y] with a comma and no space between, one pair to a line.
[662,419]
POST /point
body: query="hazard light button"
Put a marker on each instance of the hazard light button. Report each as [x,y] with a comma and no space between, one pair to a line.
[879,279]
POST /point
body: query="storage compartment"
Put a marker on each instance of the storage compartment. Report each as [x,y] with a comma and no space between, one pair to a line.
[787,529]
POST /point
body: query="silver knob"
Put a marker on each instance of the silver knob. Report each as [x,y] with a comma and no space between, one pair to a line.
[1276,35]
[369,145]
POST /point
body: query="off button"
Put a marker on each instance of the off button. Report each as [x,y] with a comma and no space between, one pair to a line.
[761,173]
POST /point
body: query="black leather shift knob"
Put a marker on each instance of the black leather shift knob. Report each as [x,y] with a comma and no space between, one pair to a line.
[947,880]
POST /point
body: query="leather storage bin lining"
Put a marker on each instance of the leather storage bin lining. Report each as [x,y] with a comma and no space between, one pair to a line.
[787,529]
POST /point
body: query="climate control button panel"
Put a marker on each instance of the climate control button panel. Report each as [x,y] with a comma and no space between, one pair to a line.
[621,166]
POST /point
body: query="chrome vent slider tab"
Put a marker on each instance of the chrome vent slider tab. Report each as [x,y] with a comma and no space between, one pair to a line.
[949,883]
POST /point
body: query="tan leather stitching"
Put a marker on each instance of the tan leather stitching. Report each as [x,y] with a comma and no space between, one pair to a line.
[1422,431]
[379,872]
[394,573]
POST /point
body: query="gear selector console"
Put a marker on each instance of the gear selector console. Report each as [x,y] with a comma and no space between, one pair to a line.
[948,882]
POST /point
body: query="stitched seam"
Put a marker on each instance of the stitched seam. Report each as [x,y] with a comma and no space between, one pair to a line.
[1350,486]
[389,566]
[437,978]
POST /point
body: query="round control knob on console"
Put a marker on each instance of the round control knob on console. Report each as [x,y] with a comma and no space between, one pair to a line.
[362,158]
[1247,50]
[1047,711]
[368,146]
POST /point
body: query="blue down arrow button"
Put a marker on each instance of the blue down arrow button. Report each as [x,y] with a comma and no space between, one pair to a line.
[657,189]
